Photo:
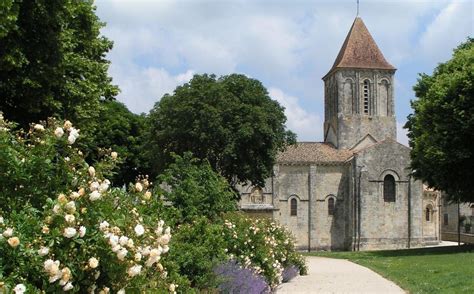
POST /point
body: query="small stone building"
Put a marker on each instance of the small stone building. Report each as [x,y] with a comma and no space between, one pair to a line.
[353,191]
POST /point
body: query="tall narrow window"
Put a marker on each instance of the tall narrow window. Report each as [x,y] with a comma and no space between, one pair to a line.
[293,207]
[331,206]
[428,214]
[389,188]
[446,219]
[366,95]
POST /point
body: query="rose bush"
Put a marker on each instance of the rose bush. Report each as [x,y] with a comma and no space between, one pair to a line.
[63,228]
[261,245]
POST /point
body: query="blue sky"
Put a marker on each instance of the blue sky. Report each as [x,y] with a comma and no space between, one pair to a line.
[289,45]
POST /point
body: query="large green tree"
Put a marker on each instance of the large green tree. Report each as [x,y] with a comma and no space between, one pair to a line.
[52,61]
[122,131]
[441,129]
[231,121]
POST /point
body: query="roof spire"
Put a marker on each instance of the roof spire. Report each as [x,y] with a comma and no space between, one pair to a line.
[360,50]
[357,8]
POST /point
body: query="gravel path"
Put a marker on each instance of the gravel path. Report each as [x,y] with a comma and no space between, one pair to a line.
[328,275]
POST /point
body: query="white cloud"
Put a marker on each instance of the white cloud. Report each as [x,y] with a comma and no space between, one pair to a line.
[307,126]
[141,88]
[452,26]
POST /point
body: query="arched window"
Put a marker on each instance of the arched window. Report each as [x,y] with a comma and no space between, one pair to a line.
[366,96]
[428,214]
[293,207]
[331,206]
[389,188]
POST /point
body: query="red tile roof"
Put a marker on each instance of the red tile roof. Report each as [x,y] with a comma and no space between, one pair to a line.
[360,50]
[313,152]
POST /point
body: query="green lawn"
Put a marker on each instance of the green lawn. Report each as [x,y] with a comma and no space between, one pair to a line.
[426,270]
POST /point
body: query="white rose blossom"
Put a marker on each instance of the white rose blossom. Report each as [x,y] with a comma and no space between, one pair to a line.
[114,155]
[104,186]
[69,218]
[67,125]
[139,230]
[147,195]
[122,253]
[134,270]
[13,241]
[138,187]
[69,232]
[74,195]
[71,139]
[8,233]
[116,248]
[74,132]
[39,127]
[93,262]
[43,251]
[121,291]
[104,225]
[95,195]
[94,186]
[82,231]
[68,287]
[59,132]
[91,171]
[19,289]
[70,206]
[123,240]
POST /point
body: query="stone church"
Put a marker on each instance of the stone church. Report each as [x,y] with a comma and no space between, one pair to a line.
[353,191]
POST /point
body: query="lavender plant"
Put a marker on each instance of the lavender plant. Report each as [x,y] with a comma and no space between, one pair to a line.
[235,278]
[289,273]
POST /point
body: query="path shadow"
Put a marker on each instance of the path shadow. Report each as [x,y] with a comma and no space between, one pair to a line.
[424,251]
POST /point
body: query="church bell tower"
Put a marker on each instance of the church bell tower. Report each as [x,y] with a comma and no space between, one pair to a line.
[358,93]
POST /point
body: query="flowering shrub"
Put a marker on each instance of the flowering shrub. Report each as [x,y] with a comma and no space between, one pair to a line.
[236,279]
[63,228]
[261,245]
[197,248]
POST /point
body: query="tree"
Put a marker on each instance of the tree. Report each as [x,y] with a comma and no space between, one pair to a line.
[52,61]
[441,129]
[195,190]
[123,132]
[230,121]
[8,15]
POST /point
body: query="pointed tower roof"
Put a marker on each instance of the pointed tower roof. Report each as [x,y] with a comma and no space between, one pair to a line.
[360,50]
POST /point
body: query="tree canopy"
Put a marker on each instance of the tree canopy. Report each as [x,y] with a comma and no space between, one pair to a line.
[441,129]
[195,190]
[52,61]
[231,121]
[123,132]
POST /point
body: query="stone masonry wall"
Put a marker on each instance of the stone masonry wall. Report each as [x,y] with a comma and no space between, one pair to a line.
[291,181]
[384,225]
[328,232]
[344,110]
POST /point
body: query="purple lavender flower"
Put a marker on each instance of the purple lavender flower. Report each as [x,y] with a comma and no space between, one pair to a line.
[289,273]
[235,279]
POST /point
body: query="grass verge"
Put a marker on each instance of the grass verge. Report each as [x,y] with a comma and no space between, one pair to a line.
[424,270]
